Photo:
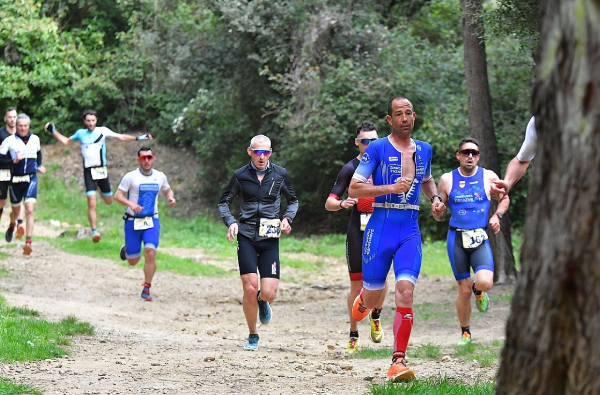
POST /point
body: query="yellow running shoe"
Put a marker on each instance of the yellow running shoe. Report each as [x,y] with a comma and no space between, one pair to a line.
[466,339]
[352,347]
[376,334]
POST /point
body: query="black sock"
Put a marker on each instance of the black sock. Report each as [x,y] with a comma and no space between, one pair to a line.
[465,329]
[1,211]
[375,313]
[475,290]
[258,296]
[28,240]
[19,222]
[354,334]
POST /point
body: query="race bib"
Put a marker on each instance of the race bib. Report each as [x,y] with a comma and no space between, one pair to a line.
[99,173]
[473,238]
[364,220]
[4,174]
[269,228]
[24,178]
[143,223]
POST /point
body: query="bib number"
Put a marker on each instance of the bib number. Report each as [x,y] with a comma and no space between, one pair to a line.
[269,228]
[473,238]
[364,220]
[4,174]
[99,173]
[143,223]
[24,178]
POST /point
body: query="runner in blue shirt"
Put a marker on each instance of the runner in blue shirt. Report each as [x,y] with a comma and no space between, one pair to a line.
[93,149]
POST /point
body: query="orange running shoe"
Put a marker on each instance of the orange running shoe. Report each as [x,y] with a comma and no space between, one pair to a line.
[20,231]
[399,372]
[95,237]
[359,310]
[27,249]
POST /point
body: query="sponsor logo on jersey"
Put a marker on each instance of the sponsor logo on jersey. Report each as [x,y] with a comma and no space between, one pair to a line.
[474,182]
[461,184]
[368,238]
[462,212]
[365,158]
[393,159]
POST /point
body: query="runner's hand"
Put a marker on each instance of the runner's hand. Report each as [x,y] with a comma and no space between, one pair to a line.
[495,224]
[171,202]
[498,189]
[285,226]
[41,169]
[438,209]
[402,185]
[232,232]
[136,208]
[50,127]
[349,202]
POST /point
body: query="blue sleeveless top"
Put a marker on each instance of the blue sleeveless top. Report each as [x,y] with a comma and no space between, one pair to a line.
[468,201]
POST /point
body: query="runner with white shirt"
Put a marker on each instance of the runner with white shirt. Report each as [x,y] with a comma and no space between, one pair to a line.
[93,149]
[138,191]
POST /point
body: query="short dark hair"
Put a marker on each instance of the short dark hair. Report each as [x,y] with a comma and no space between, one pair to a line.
[389,106]
[467,140]
[89,111]
[145,149]
[9,109]
[366,126]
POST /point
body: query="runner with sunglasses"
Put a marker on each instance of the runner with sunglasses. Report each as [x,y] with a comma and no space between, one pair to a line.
[93,150]
[361,210]
[466,192]
[259,185]
[138,191]
[401,169]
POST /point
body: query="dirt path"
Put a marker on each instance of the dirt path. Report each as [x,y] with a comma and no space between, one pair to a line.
[189,339]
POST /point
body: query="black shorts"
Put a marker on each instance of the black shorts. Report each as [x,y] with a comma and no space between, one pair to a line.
[354,241]
[262,255]
[90,183]
[4,189]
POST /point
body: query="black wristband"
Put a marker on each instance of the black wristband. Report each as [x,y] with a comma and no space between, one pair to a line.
[341,207]
[435,196]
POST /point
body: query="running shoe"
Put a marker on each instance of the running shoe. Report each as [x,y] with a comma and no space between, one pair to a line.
[482,301]
[352,347]
[20,230]
[466,339]
[146,293]
[359,310]
[8,236]
[252,343]
[264,312]
[376,334]
[27,249]
[123,253]
[399,371]
[95,236]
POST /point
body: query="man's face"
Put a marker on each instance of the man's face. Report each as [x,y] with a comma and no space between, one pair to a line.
[259,154]
[468,157]
[10,119]
[22,127]
[146,160]
[370,135]
[403,117]
[90,122]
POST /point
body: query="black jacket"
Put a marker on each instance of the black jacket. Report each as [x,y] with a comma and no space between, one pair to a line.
[259,199]
[6,161]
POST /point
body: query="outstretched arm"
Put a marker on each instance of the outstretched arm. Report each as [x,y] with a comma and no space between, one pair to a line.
[514,172]
[129,137]
[51,128]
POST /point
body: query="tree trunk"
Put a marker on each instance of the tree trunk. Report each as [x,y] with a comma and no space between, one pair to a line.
[552,333]
[482,128]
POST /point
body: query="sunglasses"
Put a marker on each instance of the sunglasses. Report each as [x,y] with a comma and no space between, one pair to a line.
[365,141]
[259,152]
[145,157]
[467,152]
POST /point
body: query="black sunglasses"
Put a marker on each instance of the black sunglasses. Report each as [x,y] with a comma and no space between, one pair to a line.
[365,141]
[467,152]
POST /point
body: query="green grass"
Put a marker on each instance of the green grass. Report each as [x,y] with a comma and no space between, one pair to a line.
[373,353]
[8,388]
[434,311]
[426,351]
[433,386]
[4,272]
[435,259]
[484,355]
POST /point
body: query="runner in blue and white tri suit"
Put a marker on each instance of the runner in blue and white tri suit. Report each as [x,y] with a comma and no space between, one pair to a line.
[401,169]
[93,149]
[466,191]
[138,191]
[26,153]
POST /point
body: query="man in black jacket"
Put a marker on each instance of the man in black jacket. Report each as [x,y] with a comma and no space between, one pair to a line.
[260,184]
[6,162]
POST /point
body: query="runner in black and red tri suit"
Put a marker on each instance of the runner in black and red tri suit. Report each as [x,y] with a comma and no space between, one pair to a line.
[361,210]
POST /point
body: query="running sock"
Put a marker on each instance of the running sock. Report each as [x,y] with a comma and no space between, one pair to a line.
[19,222]
[464,329]
[258,296]
[403,322]
[94,231]
[398,354]
[375,313]
[354,334]
[475,290]
[1,211]
[28,240]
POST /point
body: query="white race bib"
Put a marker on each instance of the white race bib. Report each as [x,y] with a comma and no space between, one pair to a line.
[364,220]
[4,174]
[473,238]
[24,178]
[99,173]
[143,223]
[269,228]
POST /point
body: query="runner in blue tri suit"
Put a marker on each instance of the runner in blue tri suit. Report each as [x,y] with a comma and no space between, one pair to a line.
[93,150]
[401,169]
[138,191]
[466,191]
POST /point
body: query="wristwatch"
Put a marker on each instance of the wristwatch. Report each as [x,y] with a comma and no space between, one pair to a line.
[498,214]
[435,196]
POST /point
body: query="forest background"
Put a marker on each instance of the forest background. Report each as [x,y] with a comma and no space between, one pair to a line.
[210,74]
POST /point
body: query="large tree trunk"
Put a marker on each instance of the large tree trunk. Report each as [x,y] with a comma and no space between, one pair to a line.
[552,336]
[482,128]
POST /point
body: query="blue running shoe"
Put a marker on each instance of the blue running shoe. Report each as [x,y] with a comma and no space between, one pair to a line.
[252,343]
[264,312]
[122,253]
[146,293]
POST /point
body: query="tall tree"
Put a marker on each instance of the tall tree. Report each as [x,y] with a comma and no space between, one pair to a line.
[481,124]
[551,338]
